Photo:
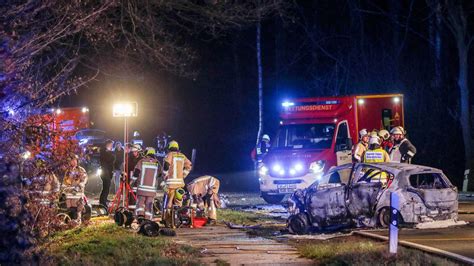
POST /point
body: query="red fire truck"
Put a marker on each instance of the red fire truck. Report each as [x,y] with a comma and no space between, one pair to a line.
[316,134]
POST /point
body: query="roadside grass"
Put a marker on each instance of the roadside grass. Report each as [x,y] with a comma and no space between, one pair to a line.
[360,251]
[108,244]
[241,217]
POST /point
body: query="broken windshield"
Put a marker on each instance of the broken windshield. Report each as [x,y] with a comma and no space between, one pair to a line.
[306,136]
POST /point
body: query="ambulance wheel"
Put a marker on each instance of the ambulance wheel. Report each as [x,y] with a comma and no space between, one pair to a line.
[63,218]
[299,224]
[383,217]
[86,213]
[272,199]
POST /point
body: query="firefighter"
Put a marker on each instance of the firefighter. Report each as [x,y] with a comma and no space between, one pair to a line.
[145,175]
[134,156]
[204,193]
[359,149]
[43,187]
[107,159]
[73,186]
[176,168]
[261,149]
[403,150]
[375,153]
[385,138]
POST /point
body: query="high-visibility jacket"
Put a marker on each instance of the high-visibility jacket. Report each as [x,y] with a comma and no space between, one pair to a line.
[74,183]
[43,188]
[145,176]
[358,151]
[402,152]
[177,167]
[378,155]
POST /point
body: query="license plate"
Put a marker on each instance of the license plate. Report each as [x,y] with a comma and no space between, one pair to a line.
[286,188]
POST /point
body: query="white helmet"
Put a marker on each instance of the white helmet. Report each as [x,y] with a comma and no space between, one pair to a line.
[397,130]
[384,134]
[136,147]
[374,140]
[363,133]
[266,137]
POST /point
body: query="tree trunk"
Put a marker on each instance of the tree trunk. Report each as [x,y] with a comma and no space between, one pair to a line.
[464,101]
[260,82]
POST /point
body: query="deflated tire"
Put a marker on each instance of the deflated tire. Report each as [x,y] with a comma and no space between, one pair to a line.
[299,224]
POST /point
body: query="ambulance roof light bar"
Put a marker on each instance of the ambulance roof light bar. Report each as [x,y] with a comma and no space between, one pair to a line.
[287,104]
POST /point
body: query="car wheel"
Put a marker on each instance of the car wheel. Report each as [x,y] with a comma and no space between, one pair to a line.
[298,224]
[383,217]
[272,199]
[63,218]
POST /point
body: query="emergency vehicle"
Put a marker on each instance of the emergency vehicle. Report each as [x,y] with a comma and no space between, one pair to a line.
[316,134]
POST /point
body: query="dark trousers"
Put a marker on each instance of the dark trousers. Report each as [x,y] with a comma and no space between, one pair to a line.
[106,180]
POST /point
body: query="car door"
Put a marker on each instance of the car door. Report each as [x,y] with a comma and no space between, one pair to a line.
[343,146]
[364,189]
[326,200]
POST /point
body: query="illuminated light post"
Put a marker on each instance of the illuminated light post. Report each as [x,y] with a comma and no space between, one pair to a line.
[125,110]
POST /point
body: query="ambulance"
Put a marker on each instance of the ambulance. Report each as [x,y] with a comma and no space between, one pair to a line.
[316,134]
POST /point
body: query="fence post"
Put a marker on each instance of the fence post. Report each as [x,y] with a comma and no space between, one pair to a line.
[393,229]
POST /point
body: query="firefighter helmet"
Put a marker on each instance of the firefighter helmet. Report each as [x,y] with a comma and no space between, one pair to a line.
[150,151]
[136,147]
[397,130]
[173,145]
[374,140]
[384,134]
[265,137]
[363,133]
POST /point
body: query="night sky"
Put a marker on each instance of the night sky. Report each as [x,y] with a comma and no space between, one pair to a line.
[320,48]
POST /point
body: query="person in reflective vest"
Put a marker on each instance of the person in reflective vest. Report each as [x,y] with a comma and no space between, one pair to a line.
[176,168]
[204,193]
[376,154]
[73,186]
[359,149]
[43,186]
[403,150]
[145,177]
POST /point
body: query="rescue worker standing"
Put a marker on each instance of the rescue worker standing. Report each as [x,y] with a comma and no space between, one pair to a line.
[107,159]
[145,175]
[375,153]
[134,156]
[73,186]
[387,144]
[204,193]
[403,150]
[361,146]
[176,167]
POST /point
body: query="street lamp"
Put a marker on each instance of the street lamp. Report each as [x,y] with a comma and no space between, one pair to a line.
[125,110]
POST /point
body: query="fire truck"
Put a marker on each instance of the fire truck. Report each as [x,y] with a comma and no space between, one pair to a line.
[316,134]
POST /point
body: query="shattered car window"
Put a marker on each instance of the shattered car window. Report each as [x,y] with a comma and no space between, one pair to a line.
[373,175]
[336,177]
[427,181]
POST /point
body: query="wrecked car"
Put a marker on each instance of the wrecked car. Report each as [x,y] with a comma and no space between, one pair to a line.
[358,195]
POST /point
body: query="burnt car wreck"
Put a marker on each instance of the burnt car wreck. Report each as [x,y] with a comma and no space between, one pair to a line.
[358,195]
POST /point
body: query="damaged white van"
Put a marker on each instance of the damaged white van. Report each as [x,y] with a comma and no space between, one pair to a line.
[359,195]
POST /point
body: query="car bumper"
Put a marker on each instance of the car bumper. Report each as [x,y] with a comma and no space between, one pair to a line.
[285,185]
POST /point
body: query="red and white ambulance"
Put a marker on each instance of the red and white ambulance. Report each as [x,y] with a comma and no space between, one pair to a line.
[316,134]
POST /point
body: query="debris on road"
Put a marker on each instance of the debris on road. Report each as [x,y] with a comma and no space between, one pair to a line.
[243,226]
[440,224]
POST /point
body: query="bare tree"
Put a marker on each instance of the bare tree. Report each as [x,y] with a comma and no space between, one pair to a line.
[455,15]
